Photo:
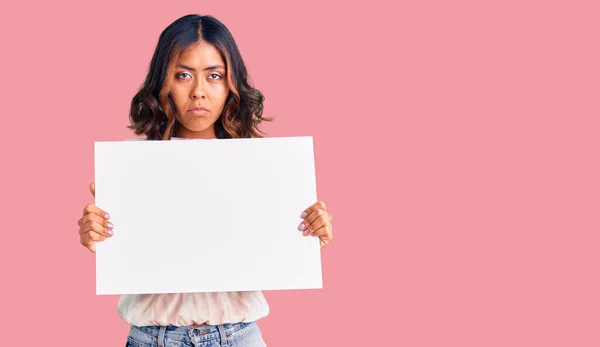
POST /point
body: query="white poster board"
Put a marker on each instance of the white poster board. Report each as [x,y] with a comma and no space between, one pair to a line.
[206,215]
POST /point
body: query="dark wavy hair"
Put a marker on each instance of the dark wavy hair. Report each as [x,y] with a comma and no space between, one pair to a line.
[152,109]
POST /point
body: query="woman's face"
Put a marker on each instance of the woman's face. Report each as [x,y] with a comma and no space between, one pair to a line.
[200,81]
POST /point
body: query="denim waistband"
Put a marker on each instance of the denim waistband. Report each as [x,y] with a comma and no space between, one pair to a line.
[156,334]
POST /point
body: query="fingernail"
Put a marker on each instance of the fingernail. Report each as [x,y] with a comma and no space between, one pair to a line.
[106,216]
[110,225]
[301,226]
[305,232]
[110,232]
[304,214]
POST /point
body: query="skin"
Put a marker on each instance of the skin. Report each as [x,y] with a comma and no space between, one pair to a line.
[200,79]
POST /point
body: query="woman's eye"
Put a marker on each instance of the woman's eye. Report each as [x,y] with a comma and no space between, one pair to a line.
[180,75]
[214,76]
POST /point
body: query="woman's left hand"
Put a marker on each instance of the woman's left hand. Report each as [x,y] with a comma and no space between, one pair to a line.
[317,222]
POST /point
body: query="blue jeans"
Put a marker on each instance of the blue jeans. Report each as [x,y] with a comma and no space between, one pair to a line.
[225,335]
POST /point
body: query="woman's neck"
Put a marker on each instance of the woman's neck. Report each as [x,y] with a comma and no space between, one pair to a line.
[184,133]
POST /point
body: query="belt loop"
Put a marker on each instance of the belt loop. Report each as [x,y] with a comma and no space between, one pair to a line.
[161,336]
[223,335]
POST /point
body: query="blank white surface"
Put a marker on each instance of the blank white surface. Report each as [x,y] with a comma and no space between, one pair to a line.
[206,215]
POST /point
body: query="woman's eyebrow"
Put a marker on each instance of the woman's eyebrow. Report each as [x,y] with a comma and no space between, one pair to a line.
[214,67]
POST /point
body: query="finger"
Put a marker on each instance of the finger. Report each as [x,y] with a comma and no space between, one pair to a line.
[314,215]
[91,236]
[89,240]
[93,189]
[316,205]
[91,208]
[310,219]
[92,247]
[94,217]
[325,230]
[320,222]
[96,227]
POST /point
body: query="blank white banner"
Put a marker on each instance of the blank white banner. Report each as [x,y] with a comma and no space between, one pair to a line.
[206,215]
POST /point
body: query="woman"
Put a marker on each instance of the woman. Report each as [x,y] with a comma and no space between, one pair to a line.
[196,88]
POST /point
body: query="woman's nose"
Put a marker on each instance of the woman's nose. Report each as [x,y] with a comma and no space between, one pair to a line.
[198,91]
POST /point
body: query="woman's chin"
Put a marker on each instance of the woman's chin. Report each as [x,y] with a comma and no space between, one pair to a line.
[197,130]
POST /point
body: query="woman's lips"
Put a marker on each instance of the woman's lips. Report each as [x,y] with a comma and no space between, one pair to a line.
[198,111]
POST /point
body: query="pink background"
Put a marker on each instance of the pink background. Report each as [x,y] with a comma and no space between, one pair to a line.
[456,147]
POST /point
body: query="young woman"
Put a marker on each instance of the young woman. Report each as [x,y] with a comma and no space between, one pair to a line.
[196,88]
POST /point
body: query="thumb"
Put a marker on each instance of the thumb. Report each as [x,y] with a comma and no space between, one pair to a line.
[93,189]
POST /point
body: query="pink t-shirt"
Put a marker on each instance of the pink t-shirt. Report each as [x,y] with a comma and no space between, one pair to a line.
[184,309]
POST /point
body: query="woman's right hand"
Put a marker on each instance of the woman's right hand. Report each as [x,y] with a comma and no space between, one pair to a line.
[94,225]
